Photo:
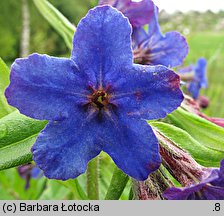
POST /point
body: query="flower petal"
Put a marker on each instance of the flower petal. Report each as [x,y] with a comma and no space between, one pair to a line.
[175,194]
[187,193]
[138,13]
[200,72]
[150,92]
[102,43]
[213,193]
[194,88]
[139,35]
[221,173]
[63,149]
[168,50]
[187,69]
[141,38]
[36,172]
[219,181]
[110,2]
[153,26]
[200,79]
[133,146]
[45,87]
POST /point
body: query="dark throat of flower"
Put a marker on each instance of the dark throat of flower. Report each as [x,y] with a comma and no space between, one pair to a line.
[142,56]
[100,101]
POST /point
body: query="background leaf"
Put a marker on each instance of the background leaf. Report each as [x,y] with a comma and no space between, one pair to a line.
[16,127]
[17,135]
[205,132]
[57,20]
[17,154]
[74,186]
[55,191]
[202,154]
[4,82]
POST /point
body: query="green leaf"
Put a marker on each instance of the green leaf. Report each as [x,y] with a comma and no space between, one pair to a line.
[74,186]
[117,185]
[17,135]
[206,133]
[4,82]
[55,191]
[16,127]
[17,154]
[57,20]
[202,154]
[106,167]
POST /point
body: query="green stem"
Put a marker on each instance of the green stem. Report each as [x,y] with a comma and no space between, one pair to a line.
[93,179]
[117,185]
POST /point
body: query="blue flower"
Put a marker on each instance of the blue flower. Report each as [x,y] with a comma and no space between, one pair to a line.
[153,48]
[29,171]
[96,100]
[200,80]
[209,188]
[138,13]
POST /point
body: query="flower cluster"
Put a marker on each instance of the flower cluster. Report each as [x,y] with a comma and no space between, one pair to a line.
[96,100]
[151,47]
[99,99]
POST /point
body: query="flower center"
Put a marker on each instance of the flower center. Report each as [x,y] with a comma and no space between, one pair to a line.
[99,99]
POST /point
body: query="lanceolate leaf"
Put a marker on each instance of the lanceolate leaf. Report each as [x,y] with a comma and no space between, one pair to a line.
[17,154]
[202,154]
[17,135]
[4,82]
[205,132]
[57,20]
[16,127]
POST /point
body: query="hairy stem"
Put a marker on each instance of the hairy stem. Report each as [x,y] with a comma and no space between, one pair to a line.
[152,188]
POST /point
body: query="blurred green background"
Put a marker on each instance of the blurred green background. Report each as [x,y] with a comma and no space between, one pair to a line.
[204,33]
[43,38]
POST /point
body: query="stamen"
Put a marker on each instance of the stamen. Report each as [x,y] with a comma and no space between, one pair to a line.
[100,99]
